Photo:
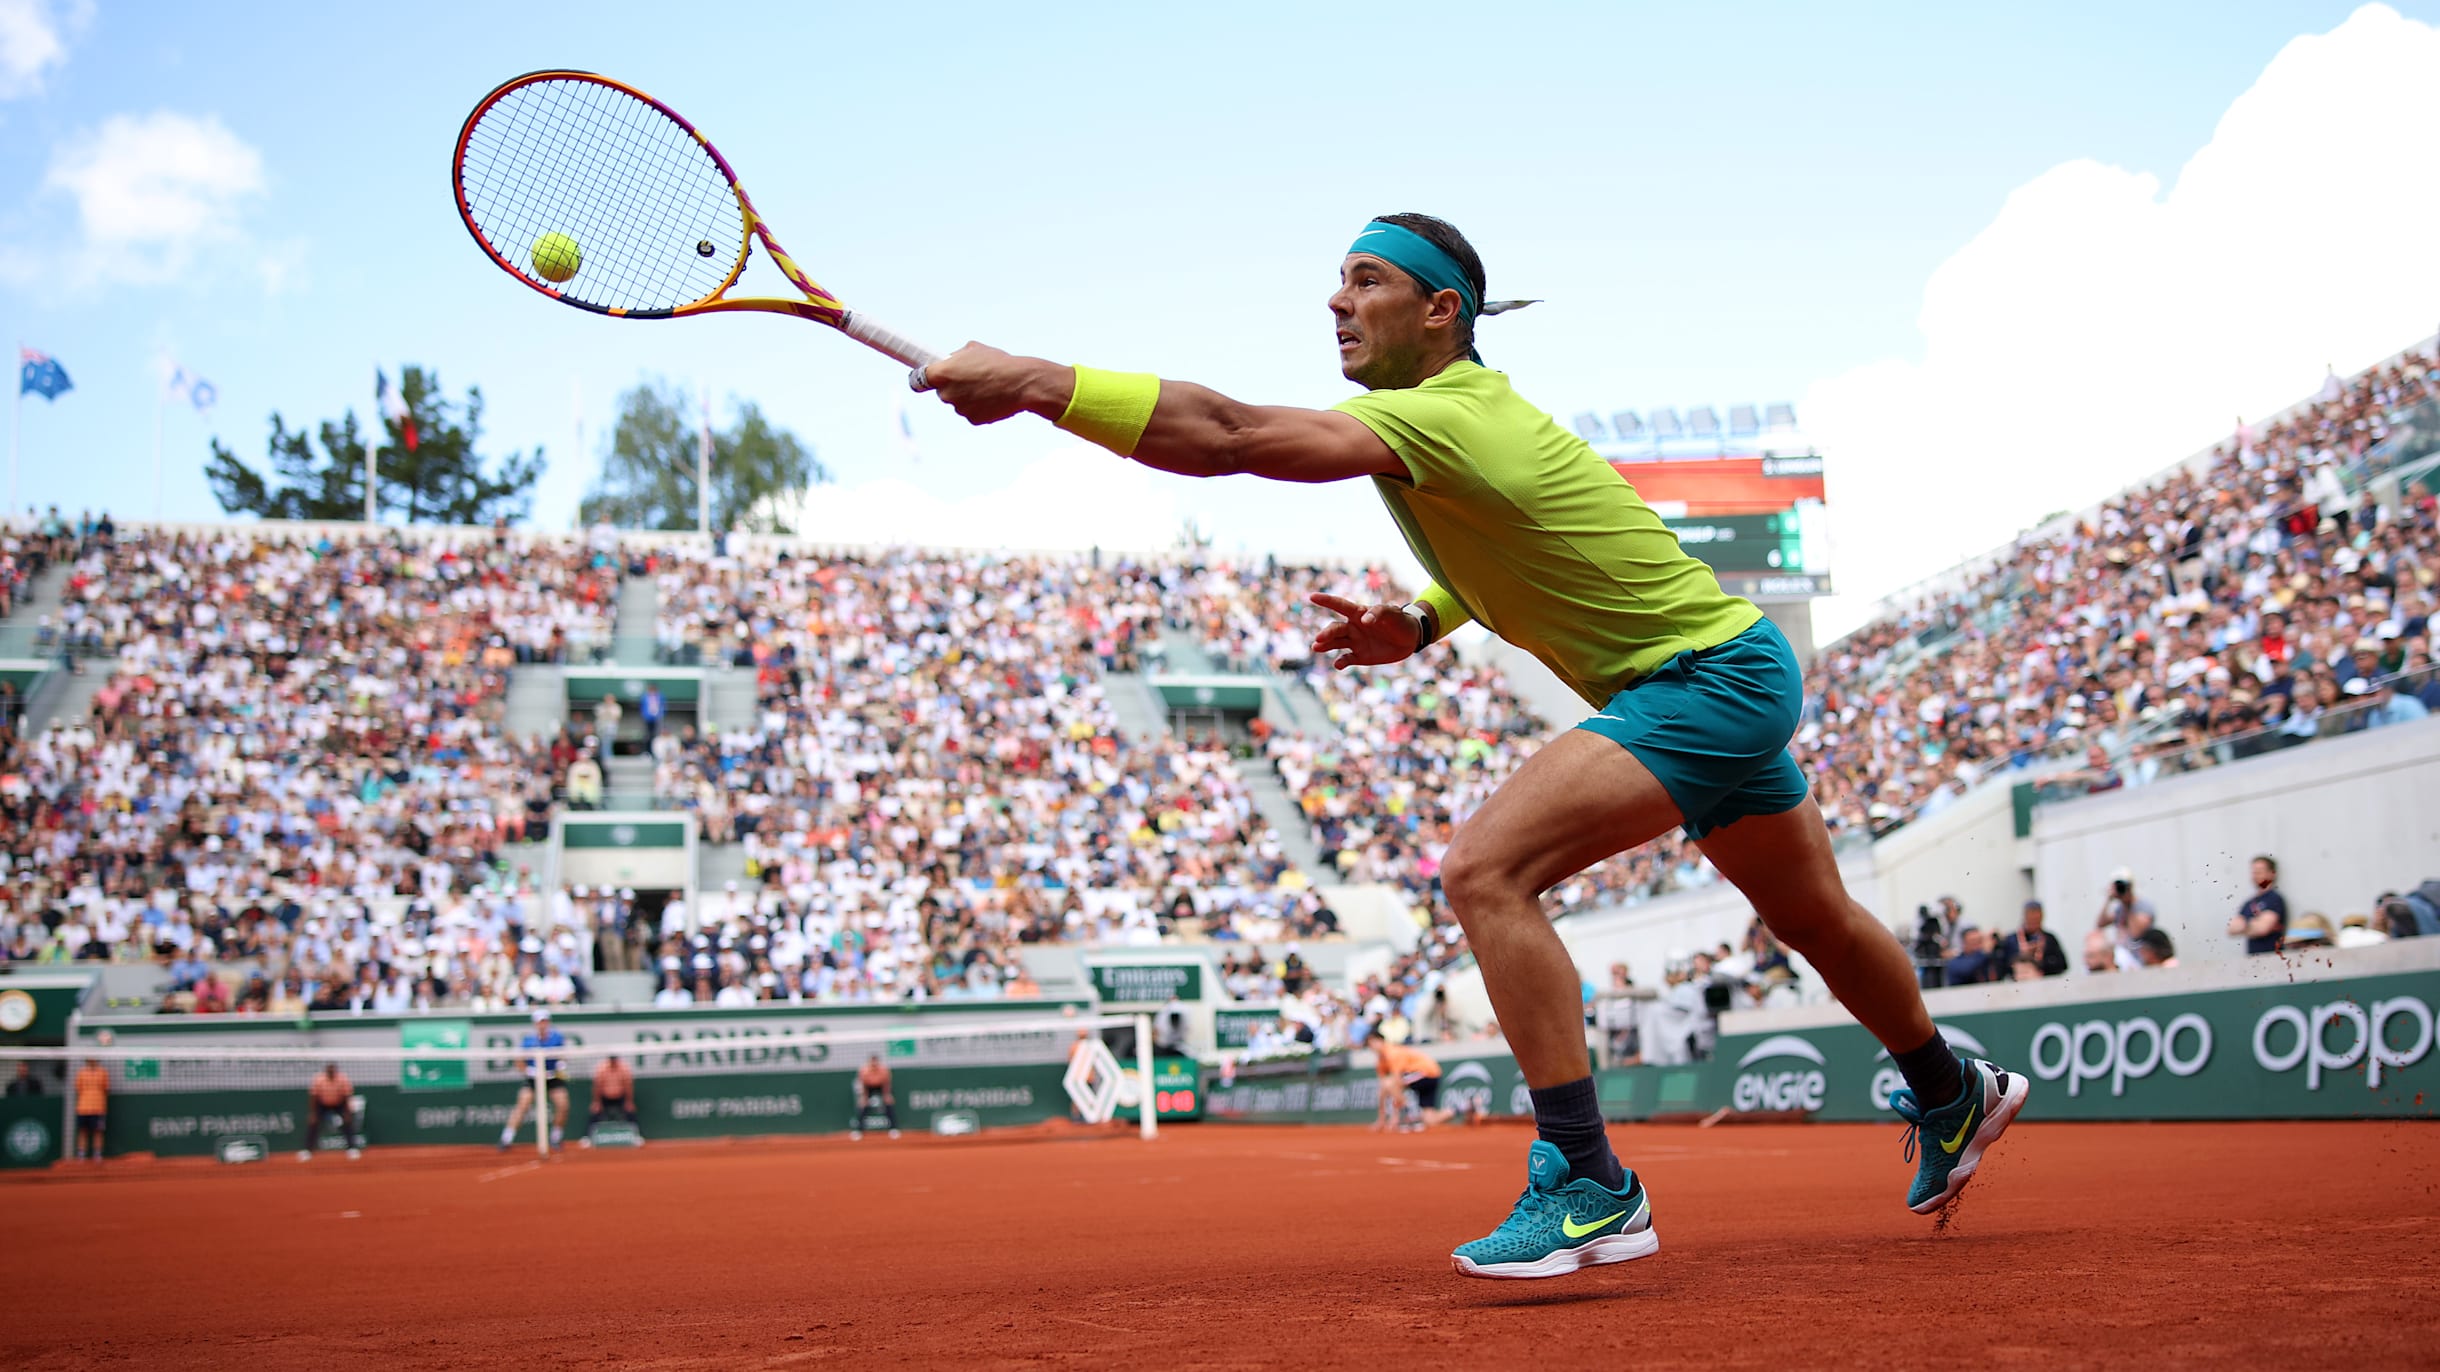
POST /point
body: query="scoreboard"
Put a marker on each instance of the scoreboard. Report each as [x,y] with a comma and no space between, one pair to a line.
[1757,520]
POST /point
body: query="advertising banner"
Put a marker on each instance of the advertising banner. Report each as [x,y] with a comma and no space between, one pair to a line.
[196,1123]
[2336,1049]
[1147,983]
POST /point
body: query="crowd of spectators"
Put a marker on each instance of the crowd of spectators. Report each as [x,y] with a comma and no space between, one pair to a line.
[298,752]
[295,741]
[2241,604]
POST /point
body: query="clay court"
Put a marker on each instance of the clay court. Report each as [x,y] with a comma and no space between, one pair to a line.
[2297,1245]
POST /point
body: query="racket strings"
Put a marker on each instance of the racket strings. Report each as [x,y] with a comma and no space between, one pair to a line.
[633,188]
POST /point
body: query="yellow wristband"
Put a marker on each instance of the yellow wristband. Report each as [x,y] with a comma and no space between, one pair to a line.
[1111,408]
[1447,609]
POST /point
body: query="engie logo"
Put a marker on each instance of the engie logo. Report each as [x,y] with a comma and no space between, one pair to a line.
[1787,1088]
[2129,1050]
[1889,1079]
[1467,1089]
[2370,1040]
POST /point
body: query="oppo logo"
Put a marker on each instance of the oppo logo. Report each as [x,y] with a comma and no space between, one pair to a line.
[1787,1088]
[2368,1039]
[2129,1050]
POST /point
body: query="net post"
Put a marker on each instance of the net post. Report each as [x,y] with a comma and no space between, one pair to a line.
[1146,1127]
[542,1109]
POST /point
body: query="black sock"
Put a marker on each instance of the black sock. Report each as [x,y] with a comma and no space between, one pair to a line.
[1569,1118]
[1932,1072]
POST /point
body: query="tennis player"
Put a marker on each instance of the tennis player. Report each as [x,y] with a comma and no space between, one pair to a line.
[1526,529]
[554,1074]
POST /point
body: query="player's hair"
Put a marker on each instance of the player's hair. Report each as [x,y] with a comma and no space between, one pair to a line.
[2268,861]
[1444,235]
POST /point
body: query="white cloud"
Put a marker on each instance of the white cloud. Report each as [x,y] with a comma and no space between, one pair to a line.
[151,191]
[34,38]
[2099,330]
[1076,497]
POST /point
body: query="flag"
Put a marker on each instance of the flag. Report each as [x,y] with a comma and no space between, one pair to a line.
[194,390]
[41,374]
[394,408]
[906,435]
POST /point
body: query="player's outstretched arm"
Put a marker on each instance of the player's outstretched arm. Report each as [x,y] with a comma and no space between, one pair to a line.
[1176,426]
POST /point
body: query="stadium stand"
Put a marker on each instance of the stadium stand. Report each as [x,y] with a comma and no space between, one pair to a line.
[296,753]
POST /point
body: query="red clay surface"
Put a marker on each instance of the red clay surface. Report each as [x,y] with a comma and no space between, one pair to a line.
[2288,1245]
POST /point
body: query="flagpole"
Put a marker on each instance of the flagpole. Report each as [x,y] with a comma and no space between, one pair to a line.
[16,421]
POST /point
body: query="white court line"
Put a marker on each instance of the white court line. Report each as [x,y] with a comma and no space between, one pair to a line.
[1428,1164]
[510,1171]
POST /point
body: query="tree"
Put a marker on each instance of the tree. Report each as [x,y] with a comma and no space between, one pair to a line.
[442,479]
[650,478]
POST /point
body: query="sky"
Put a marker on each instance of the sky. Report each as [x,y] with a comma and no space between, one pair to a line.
[2005,260]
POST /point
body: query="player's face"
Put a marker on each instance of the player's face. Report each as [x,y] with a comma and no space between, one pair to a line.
[1385,323]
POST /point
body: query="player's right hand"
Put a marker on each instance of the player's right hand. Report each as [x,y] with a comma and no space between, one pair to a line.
[1366,635]
[985,385]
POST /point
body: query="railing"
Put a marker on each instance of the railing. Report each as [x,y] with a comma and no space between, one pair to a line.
[2414,436]
[2354,717]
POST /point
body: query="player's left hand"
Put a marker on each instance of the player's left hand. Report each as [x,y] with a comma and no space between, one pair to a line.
[985,385]
[1364,635]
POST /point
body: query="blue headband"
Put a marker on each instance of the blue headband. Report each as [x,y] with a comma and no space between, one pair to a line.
[1420,258]
[1432,268]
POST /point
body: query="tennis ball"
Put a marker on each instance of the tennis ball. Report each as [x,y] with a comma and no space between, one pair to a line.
[556,257]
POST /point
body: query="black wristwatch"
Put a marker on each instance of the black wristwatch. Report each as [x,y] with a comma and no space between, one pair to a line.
[1425,626]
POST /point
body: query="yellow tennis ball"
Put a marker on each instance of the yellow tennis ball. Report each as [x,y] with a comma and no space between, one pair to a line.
[556,257]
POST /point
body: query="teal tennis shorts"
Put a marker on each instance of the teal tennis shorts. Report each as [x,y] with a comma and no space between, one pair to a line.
[1714,727]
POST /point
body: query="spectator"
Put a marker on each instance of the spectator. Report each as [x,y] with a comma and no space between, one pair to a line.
[649,708]
[2121,911]
[2100,952]
[2032,946]
[25,1083]
[330,1095]
[2311,931]
[2356,931]
[2154,949]
[2262,920]
[1974,961]
[2384,704]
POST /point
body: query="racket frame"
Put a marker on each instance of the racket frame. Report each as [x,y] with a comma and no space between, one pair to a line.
[818,305]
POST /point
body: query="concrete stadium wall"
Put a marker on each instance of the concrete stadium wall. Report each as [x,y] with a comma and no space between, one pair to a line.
[2347,818]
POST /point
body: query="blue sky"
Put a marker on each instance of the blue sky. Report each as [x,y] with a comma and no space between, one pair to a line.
[1720,204]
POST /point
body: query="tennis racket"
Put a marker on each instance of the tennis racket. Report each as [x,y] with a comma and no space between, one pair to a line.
[601,197]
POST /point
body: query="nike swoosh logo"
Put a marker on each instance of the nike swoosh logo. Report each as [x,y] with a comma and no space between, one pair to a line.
[1369,233]
[1576,1231]
[1958,1140]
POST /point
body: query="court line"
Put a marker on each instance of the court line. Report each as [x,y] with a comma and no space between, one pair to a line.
[510,1171]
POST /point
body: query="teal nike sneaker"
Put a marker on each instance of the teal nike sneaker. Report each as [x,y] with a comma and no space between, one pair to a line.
[1947,1144]
[1561,1224]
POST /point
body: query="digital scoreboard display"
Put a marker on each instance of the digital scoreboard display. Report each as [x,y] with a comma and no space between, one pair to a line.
[1758,521]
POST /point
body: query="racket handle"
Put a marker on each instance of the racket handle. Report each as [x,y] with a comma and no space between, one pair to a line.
[883,340]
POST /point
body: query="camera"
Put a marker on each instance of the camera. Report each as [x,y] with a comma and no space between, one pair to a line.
[1930,950]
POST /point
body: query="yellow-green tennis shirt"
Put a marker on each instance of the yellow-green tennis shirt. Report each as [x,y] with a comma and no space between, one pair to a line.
[1538,537]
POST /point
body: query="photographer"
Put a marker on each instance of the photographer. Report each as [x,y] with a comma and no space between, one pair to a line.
[1930,948]
[2119,909]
